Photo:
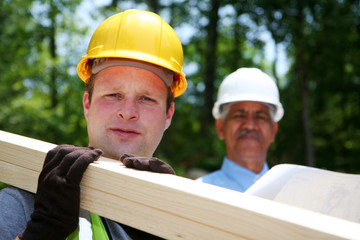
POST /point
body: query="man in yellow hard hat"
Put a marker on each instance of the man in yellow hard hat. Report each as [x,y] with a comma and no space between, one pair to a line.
[246,115]
[132,73]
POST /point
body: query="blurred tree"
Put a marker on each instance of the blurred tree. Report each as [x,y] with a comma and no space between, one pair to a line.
[210,54]
[15,28]
[36,42]
[323,43]
[40,93]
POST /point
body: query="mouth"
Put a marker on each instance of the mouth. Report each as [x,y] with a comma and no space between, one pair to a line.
[125,132]
[249,136]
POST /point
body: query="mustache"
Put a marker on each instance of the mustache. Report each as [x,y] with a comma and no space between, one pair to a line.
[248,131]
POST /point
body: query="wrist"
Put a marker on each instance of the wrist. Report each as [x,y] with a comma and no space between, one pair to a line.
[40,227]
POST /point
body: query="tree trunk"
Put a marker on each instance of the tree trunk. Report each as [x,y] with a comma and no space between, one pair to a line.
[237,42]
[154,6]
[301,73]
[210,59]
[52,37]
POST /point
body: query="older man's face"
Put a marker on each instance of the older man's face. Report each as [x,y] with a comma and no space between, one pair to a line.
[247,130]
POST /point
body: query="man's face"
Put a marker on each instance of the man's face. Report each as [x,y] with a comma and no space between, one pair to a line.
[127,112]
[247,130]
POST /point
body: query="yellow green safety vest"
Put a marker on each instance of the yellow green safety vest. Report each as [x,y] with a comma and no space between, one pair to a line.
[3,185]
[97,226]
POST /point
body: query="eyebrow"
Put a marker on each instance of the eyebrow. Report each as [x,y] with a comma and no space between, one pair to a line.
[243,110]
[256,112]
[263,111]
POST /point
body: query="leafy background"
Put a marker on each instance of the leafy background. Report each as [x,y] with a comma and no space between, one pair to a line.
[314,57]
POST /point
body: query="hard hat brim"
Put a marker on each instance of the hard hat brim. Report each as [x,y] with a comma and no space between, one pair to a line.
[279,113]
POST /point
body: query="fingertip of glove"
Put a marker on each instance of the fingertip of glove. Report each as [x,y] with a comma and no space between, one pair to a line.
[125,155]
[99,151]
[127,163]
[160,166]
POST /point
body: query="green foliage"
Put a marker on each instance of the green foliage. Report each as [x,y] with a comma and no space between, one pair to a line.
[323,39]
[26,70]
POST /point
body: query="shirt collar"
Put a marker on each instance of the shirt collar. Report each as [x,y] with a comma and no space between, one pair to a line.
[241,175]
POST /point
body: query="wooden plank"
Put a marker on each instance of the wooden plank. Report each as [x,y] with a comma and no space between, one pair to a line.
[171,206]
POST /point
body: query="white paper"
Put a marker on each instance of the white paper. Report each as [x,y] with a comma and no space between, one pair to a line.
[327,192]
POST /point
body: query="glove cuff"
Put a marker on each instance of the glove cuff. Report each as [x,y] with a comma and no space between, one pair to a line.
[41,227]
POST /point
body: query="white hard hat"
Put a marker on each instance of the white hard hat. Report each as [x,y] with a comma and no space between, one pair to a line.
[248,84]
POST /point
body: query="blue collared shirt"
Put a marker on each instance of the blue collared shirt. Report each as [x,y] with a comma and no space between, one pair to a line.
[233,176]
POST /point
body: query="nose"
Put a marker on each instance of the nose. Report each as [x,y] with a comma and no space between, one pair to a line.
[249,123]
[128,111]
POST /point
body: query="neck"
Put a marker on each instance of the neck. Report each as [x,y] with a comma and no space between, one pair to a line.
[253,163]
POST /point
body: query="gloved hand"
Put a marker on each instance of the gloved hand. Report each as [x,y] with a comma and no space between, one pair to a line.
[57,199]
[146,164]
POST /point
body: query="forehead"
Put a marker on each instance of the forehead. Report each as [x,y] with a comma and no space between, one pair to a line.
[249,106]
[125,77]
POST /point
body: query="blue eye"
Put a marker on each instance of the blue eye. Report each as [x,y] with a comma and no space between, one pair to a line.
[112,96]
[147,99]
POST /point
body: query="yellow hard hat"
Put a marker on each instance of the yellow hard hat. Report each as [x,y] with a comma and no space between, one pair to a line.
[137,35]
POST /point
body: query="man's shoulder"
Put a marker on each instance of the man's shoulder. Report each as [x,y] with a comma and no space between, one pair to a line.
[16,191]
[221,179]
[12,193]
[212,177]
[16,206]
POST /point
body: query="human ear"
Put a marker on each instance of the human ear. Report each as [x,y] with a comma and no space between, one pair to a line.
[275,128]
[169,115]
[219,125]
[86,104]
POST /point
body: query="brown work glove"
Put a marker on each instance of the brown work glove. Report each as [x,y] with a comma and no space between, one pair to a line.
[146,164]
[57,199]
